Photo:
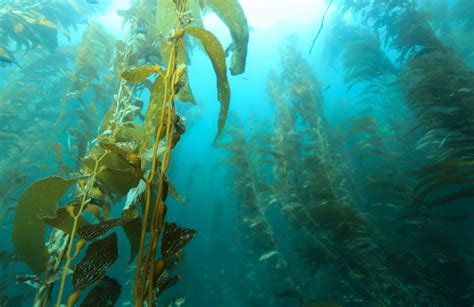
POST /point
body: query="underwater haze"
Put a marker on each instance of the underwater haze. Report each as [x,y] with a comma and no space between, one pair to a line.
[306,153]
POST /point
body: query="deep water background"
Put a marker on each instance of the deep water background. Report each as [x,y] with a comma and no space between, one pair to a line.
[212,272]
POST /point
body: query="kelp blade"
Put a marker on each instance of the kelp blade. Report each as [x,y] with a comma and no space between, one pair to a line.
[216,54]
[233,16]
[39,200]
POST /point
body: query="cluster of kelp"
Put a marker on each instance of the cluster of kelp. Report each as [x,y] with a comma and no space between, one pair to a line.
[430,141]
[270,276]
[378,199]
[31,99]
[118,152]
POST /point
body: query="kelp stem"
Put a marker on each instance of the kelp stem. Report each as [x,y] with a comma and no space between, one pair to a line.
[76,217]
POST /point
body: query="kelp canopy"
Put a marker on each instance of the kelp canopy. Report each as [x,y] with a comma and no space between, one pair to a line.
[133,173]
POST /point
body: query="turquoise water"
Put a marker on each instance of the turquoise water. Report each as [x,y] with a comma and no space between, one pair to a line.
[343,176]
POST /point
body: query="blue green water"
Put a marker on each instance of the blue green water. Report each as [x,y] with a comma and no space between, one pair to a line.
[343,177]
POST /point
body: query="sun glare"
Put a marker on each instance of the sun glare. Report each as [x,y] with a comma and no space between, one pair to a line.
[264,14]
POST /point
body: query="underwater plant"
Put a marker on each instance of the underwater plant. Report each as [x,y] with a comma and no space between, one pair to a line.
[127,158]
[34,24]
[253,192]
[436,88]
[321,202]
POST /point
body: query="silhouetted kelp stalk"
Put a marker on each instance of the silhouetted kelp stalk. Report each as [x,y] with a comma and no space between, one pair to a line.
[90,75]
[361,138]
[252,193]
[128,158]
[30,24]
[438,88]
[32,29]
[317,199]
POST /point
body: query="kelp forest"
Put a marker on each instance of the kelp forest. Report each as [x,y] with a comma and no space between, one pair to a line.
[192,153]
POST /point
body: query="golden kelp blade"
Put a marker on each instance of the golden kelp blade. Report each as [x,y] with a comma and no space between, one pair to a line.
[139,74]
[232,15]
[63,220]
[216,54]
[166,16]
[37,201]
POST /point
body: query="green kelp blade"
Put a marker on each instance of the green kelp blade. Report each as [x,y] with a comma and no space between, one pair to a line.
[139,74]
[216,54]
[39,200]
[63,220]
[133,231]
[231,13]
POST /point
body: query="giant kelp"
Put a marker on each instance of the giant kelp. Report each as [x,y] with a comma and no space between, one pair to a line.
[319,197]
[29,24]
[127,157]
[232,15]
[435,86]
[252,190]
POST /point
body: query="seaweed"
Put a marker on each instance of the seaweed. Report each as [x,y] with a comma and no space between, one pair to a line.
[37,201]
[106,293]
[233,16]
[253,205]
[216,54]
[174,239]
[100,255]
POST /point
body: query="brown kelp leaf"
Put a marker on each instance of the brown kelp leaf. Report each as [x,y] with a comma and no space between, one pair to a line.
[164,282]
[185,94]
[37,201]
[152,117]
[116,174]
[100,255]
[174,239]
[121,148]
[133,231]
[108,119]
[139,74]
[166,15]
[105,294]
[216,55]
[93,231]
[175,193]
[64,221]
[231,13]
